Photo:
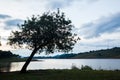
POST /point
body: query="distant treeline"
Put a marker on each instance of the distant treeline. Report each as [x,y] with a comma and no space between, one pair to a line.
[106,53]
[7,54]
[63,56]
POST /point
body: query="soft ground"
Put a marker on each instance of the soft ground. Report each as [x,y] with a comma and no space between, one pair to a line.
[62,75]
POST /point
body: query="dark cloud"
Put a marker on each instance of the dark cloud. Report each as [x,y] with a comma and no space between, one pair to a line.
[103,25]
[3,16]
[13,23]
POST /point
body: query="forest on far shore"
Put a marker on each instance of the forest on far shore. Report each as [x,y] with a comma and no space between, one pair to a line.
[103,53]
[7,54]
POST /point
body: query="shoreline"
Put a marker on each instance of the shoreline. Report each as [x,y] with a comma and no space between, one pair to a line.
[62,75]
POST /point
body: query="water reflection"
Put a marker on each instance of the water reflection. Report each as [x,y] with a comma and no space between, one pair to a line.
[16,66]
[5,67]
[105,64]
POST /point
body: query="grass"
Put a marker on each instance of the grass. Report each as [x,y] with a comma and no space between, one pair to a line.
[62,75]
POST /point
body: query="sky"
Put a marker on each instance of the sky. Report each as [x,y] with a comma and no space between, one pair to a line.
[97,22]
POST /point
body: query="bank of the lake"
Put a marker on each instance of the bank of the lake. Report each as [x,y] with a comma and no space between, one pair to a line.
[5,62]
[14,59]
[62,75]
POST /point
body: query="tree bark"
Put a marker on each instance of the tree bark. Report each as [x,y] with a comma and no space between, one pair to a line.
[23,70]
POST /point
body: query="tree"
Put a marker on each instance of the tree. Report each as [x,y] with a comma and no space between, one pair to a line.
[48,33]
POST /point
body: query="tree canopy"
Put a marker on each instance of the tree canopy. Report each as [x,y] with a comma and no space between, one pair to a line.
[49,32]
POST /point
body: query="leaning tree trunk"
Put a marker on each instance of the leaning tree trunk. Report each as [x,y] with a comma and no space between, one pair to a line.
[23,70]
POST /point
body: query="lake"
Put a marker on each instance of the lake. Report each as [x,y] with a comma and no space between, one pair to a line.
[105,64]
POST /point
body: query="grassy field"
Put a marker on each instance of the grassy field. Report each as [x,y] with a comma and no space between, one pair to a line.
[62,75]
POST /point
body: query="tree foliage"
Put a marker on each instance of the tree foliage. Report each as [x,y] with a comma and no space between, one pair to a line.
[49,32]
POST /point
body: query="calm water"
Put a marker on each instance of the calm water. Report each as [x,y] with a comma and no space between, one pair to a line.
[106,64]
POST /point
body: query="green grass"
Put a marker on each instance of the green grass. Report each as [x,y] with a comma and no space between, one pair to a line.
[62,75]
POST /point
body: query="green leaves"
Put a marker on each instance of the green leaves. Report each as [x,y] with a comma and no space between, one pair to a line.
[49,32]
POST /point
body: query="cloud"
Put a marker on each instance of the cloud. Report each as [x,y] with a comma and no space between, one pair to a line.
[104,25]
[3,16]
[59,3]
[92,1]
[96,44]
[102,43]
[13,23]
[53,4]
[8,22]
